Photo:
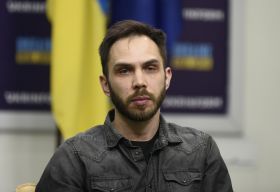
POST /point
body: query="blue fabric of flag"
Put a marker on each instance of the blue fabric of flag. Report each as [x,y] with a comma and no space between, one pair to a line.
[164,14]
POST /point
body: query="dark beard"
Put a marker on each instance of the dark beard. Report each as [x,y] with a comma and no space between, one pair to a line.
[122,106]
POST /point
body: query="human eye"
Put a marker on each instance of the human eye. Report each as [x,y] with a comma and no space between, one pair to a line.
[123,70]
[151,68]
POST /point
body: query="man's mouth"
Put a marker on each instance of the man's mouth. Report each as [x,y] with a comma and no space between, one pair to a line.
[140,100]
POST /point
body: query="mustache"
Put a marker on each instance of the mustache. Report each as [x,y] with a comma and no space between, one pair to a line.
[142,92]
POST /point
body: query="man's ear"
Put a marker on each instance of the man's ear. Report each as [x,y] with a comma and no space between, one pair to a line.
[104,84]
[168,76]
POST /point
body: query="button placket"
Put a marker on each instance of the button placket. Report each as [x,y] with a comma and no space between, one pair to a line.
[137,154]
[186,180]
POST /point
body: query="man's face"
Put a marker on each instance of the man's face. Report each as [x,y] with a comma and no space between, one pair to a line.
[137,80]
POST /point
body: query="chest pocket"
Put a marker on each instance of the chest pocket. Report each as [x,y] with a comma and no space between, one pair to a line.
[183,181]
[110,184]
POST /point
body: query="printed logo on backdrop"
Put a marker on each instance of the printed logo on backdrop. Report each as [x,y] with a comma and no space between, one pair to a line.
[25,55]
[198,54]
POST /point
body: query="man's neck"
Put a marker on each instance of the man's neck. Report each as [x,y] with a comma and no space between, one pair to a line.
[136,130]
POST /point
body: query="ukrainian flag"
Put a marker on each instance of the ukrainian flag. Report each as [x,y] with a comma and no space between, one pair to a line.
[78,27]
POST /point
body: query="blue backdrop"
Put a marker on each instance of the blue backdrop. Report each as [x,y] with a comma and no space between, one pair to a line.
[197,43]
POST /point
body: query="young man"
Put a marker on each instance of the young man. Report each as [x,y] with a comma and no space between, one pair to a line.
[136,149]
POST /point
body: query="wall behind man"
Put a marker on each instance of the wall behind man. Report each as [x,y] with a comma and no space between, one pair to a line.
[262,93]
[24,155]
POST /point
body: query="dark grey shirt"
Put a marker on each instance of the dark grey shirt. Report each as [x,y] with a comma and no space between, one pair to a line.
[182,160]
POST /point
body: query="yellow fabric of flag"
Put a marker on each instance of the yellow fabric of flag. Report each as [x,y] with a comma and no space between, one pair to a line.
[78,27]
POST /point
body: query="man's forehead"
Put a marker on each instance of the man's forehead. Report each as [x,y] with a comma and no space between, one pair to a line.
[132,40]
[134,49]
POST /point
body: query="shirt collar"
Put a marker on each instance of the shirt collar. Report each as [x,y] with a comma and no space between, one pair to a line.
[112,135]
[167,133]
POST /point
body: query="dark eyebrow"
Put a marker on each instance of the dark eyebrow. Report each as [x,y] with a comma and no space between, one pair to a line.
[118,65]
[151,62]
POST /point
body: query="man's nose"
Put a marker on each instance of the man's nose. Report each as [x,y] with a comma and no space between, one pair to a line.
[139,80]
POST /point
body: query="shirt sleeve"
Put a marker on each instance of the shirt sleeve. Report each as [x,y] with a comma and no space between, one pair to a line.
[216,176]
[64,172]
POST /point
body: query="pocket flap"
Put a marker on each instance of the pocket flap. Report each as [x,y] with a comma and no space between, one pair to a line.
[182,177]
[110,183]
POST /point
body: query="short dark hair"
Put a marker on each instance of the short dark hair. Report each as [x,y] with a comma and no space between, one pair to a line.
[128,28]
